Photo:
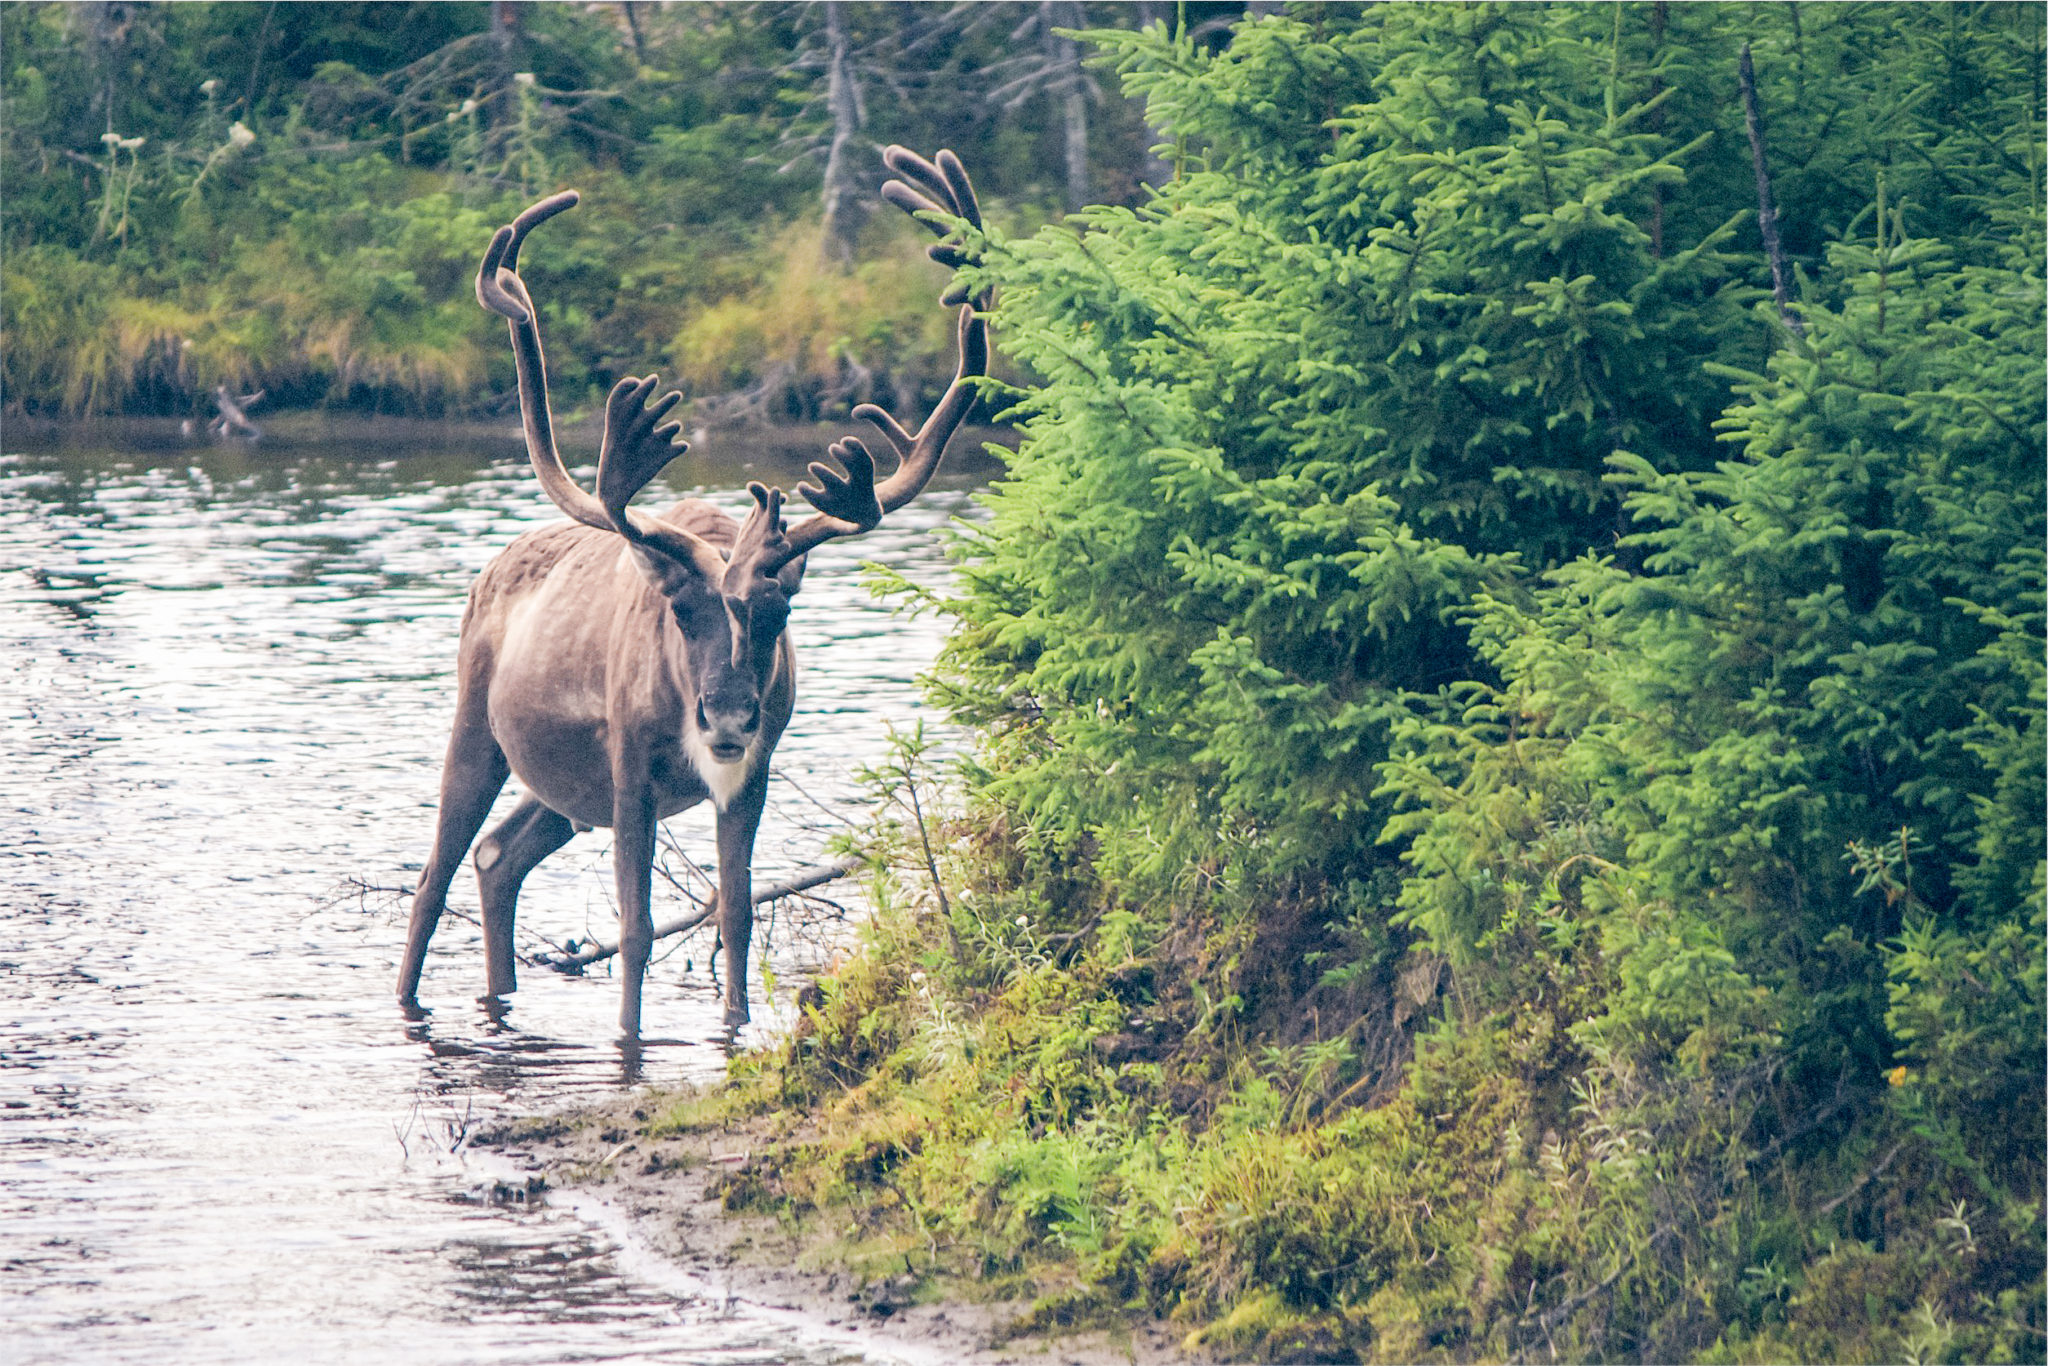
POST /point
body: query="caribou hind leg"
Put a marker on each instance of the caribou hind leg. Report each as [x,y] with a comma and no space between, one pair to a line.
[503,859]
[470,778]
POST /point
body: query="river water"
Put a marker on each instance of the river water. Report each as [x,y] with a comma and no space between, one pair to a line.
[225,682]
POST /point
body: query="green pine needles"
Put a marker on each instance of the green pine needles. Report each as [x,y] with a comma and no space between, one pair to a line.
[1522,768]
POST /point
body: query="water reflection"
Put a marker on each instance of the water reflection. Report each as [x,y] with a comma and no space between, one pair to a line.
[225,681]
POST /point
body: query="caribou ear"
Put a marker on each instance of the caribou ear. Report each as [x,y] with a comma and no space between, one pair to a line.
[666,575]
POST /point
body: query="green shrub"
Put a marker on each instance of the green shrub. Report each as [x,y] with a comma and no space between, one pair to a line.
[1525,769]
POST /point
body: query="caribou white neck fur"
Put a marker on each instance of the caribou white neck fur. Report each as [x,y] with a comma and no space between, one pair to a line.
[722,780]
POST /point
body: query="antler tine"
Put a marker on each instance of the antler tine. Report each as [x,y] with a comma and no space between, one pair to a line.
[533,217]
[849,497]
[490,291]
[846,507]
[635,447]
[637,444]
[962,189]
[920,453]
[853,503]
[940,187]
[495,293]
[914,168]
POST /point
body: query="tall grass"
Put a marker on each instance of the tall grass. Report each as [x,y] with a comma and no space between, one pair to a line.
[387,321]
[808,327]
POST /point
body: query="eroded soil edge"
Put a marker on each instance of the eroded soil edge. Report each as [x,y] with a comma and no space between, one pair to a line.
[666,1186]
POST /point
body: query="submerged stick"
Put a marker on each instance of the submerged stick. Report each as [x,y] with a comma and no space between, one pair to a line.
[234,414]
[596,951]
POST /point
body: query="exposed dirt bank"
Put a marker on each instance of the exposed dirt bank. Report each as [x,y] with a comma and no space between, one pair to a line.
[663,1192]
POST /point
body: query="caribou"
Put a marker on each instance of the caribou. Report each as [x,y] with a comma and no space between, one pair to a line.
[627,665]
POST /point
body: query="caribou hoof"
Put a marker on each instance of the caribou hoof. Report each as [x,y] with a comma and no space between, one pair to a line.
[735,1016]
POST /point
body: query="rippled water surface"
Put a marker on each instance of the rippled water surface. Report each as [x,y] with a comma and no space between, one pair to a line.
[225,681]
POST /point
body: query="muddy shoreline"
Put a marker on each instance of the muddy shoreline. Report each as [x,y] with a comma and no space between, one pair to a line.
[659,1196]
[322,431]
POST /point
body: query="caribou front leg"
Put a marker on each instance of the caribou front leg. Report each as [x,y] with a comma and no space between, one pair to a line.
[737,825]
[633,866]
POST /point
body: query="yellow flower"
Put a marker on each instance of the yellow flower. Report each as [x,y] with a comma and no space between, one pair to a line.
[1897,1076]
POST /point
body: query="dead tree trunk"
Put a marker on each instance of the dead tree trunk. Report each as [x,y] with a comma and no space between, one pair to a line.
[1155,170]
[1066,56]
[500,104]
[1659,18]
[1064,77]
[1766,211]
[629,11]
[845,208]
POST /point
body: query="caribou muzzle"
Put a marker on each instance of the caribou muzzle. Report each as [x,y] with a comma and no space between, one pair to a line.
[728,725]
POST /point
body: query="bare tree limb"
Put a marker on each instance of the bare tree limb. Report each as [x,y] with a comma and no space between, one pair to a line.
[1860,1182]
[1766,211]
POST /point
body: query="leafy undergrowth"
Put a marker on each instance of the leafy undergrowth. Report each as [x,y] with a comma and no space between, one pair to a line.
[1012,1090]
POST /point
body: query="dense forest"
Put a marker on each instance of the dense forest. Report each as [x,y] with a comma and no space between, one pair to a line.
[1508,820]
[1507,808]
[293,197]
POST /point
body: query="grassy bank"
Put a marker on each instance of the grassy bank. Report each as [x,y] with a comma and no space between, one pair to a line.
[295,199]
[366,307]
[1116,1132]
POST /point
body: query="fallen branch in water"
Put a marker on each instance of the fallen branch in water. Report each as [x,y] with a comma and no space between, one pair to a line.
[596,951]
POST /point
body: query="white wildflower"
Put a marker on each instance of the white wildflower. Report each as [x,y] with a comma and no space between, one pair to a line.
[240,134]
[208,86]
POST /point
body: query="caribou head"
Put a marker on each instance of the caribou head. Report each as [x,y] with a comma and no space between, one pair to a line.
[633,664]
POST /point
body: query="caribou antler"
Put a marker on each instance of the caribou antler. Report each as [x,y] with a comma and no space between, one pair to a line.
[852,503]
[942,190]
[637,445]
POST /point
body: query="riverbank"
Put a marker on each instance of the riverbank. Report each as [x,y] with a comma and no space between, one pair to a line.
[718,454]
[681,1192]
[287,429]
